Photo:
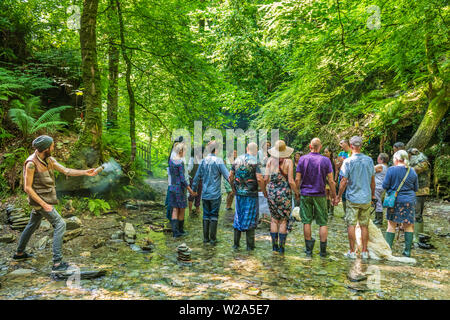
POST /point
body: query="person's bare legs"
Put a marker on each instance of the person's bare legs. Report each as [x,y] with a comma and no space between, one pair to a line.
[408,227]
[391,226]
[283,226]
[364,237]
[351,237]
[307,231]
[175,213]
[181,213]
[274,225]
[323,233]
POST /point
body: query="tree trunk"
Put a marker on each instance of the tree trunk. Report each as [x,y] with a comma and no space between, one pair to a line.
[90,141]
[438,102]
[113,56]
[132,108]
[437,109]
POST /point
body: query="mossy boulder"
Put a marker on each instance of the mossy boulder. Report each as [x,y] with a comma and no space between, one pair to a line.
[442,176]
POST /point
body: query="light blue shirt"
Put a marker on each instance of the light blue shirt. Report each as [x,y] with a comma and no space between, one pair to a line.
[210,172]
[358,169]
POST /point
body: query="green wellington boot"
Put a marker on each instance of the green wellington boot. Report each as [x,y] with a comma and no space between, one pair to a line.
[418,228]
[390,238]
[408,243]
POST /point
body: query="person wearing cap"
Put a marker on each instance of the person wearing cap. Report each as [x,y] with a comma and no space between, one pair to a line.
[419,162]
[396,147]
[39,184]
[280,181]
[210,172]
[358,183]
[313,171]
[245,177]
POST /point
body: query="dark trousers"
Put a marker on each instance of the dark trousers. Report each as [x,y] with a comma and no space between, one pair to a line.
[211,209]
[420,203]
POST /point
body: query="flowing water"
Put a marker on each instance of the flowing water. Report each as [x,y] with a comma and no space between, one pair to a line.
[219,272]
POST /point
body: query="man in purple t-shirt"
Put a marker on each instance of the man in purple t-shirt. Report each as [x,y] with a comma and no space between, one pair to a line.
[313,170]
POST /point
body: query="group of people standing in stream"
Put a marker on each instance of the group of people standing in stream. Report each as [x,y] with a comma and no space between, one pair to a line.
[314,182]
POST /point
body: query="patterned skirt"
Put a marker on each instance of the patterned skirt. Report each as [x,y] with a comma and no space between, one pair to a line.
[403,212]
[246,213]
[279,197]
[177,197]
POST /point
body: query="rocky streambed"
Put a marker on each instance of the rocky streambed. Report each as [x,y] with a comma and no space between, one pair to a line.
[142,261]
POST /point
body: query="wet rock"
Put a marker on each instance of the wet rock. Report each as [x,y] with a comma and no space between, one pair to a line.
[117,235]
[17,218]
[131,207]
[99,243]
[7,238]
[130,233]
[85,254]
[42,243]
[135,248]
[21,273]
[73,223]
[356,277]
[72,234]
[84,273]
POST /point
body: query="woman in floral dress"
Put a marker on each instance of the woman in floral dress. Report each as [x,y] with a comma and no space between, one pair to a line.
[280,185]
[177,189]
[405,203]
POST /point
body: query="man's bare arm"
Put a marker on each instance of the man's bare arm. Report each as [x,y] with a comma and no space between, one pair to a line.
[71,172]
[29,174]
[332,185]
[342,187]
[298,180]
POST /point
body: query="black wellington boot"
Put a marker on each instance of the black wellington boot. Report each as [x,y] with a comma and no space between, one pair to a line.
[323,249]
[282,242]
[274,236]
[181,227]
[309,247]
[206,231]
[213,232]
[176,232]
[237,238]
[250,237]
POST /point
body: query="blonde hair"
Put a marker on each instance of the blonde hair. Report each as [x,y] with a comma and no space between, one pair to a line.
[402,156]
[179,146]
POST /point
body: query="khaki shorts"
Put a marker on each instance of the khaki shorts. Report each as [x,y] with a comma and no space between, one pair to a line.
[357,212]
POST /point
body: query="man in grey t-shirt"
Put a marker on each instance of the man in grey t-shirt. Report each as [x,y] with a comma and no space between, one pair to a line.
[358,180]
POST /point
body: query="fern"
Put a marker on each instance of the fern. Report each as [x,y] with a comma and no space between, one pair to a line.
[29,125]
[23,121]
[51,115]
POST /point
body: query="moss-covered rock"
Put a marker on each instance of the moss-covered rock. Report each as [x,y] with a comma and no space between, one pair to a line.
[442,176]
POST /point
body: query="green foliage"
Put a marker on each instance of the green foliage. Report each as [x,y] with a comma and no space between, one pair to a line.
[97,206]
[29,125]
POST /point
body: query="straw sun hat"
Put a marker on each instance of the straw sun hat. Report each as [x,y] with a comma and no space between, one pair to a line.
[280,150]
